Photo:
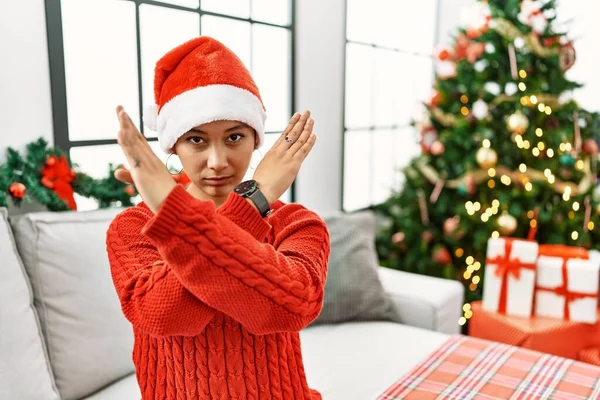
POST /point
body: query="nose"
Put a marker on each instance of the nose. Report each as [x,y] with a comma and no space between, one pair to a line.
[217,159]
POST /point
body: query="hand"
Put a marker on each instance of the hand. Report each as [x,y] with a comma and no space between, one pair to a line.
[150,176]
[280,165]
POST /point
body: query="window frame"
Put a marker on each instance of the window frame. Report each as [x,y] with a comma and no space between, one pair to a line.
[372,129]
[58,88]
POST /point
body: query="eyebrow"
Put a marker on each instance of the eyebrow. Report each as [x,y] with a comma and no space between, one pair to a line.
[233,128]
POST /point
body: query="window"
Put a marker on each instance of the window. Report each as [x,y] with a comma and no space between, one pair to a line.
[389,71]
[103,53]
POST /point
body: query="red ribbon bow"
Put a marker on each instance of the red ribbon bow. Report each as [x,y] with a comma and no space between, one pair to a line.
[58,175]
[507,265]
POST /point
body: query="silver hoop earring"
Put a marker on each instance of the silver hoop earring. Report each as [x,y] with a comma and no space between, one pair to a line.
[169,169]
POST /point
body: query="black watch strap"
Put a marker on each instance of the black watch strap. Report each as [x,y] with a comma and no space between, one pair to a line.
[260,201]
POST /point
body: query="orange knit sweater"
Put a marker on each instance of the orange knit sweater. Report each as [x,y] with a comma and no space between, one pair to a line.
[217,297]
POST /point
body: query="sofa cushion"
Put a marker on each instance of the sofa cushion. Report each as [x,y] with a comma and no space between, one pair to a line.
[124,389]
[89,340]
[360,360]
[24,369]
[353,291]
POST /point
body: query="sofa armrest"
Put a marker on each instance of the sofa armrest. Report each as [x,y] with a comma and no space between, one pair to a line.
[425,301]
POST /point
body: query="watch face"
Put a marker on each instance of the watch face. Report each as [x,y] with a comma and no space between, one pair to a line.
[246,187]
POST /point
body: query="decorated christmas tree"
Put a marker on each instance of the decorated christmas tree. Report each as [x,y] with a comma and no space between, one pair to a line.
[506,151]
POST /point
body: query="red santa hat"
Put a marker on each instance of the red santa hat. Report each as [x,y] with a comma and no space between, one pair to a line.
[198,82]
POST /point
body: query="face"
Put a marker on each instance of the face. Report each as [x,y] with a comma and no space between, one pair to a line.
[216,157]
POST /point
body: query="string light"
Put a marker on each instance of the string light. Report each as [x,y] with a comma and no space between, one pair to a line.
[571,215]
[574,235]
[567,193]
[548,110]
[535,151]
[464,111]
[526,144]
[492,172]
[462,321]
[547,173]
[486,143]
[533,223]
[542,107]
[506,180]
[550,153]
[568,147]
[469,313]
[464,99]
[472,287]
[591,226]
[496,203]
[522,87]
[467,307]
[523,74]
[491,184]
[470,260]
[541,146]
[533,99]
[495,234]
[579,164]
[528,186]
[467,275]
[562,147]
[477,206]
[459,252]
[525,100]
[551,179]
[530,214]
[523,168]
[476,266]
[539,132]
[576,206]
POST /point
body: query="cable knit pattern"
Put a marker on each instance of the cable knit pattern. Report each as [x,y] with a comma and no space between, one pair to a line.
[217,297]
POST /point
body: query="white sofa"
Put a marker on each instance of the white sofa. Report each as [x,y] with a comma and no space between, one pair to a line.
[63,336]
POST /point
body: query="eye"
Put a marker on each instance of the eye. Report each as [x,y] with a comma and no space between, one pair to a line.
[236,137]
[195,140]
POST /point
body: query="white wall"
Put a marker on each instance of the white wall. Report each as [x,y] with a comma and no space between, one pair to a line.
[25,103]
[320,45]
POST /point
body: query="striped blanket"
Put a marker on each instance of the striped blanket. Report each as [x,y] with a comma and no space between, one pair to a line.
[470,368]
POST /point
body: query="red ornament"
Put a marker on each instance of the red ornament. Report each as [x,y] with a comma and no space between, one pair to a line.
[450,226]
[56,175]
[51,160]
[465,48]
[435,99]
[17,190]
[427,236]
[443,54]
[590,147]
[398,237]
[130,190]
[441,256]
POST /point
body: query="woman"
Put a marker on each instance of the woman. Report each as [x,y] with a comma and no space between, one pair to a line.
[217,280]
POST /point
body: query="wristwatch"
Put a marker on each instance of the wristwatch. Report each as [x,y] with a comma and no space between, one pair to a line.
[249,189]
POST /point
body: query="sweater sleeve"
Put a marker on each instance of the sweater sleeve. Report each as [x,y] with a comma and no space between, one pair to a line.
[266,287]
[151,296]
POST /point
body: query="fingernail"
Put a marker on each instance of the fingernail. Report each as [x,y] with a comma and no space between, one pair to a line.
[304,113]
[295,115]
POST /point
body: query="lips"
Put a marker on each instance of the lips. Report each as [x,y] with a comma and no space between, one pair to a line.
[216,181]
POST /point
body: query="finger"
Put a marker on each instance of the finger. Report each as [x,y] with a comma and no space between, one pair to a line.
[137,150]
[287,129]
[304,136]
[123,175]
[303,152]
[295,132]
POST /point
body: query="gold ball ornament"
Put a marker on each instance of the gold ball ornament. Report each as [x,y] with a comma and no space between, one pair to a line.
[507,224]
[486,158]
[517,123]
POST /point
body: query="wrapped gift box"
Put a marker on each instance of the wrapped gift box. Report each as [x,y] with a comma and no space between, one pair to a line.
[509,279]
[567,284]
[548,335]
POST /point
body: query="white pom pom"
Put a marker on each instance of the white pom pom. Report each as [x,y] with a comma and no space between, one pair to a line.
[150,116]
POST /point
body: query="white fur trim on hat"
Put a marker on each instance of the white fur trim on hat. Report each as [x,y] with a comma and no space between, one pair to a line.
[150,116]
[207,104]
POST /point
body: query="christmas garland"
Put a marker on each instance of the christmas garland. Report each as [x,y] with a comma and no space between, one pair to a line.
[478,176]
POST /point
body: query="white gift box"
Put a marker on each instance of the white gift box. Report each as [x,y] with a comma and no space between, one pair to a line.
[575,301]
[519,279]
